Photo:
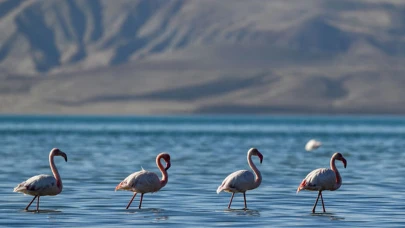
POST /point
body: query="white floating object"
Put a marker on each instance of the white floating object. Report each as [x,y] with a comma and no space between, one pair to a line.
[312,145]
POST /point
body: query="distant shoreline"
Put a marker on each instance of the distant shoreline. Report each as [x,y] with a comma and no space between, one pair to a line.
[205,115]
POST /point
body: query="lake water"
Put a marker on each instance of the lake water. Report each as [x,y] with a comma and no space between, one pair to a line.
[102,151]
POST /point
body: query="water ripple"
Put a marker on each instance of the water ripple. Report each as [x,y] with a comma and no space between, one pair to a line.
[102,151]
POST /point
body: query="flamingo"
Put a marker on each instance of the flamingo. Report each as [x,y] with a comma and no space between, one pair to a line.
[43,185]
[243,180]
[144,181]
[312,145]
[323,179]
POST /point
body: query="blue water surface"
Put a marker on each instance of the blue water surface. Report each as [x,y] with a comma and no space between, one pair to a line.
[102,151]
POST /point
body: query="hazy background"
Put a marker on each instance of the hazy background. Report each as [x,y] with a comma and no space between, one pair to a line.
[202,56]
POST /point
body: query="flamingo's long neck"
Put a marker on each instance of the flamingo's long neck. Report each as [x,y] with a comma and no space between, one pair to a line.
[165,177]
[333,167]
[55,172]
[258,179]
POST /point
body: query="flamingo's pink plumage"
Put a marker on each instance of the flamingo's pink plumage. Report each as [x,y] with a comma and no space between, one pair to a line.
[323,179]
[144,181]
[43,185]
[243,180]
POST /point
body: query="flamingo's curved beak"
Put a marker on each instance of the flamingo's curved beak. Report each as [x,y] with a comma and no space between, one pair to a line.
[63,155]
[260,157]
[344,162]
[168,164]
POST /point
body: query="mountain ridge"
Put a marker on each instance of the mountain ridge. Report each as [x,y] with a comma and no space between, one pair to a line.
[176,56]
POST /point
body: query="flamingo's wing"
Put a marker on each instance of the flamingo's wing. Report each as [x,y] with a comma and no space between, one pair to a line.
[127,183]
[141,181]
[39,185]
[238,181]
[318,179]
[146,182]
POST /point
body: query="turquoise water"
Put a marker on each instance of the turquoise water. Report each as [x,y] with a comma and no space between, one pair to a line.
[102,151]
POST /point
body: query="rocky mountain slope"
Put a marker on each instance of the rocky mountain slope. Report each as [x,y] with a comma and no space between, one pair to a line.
[202,56]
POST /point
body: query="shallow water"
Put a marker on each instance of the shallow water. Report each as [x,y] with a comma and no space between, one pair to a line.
[102,151]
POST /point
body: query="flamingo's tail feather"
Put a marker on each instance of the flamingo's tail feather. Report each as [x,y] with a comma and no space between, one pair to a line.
[20,188]
[219,189]
[302,185]
[119,186]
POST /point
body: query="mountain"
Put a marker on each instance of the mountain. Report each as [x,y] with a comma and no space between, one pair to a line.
[202,56]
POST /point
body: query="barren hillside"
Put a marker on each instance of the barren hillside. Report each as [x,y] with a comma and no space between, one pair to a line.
[202,56]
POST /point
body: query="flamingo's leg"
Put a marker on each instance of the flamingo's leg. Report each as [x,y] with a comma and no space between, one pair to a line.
[38,204]
[230,202]
[244,197]
[316,202]
[140,202]
[131,201]
[30,203]
[323,205]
